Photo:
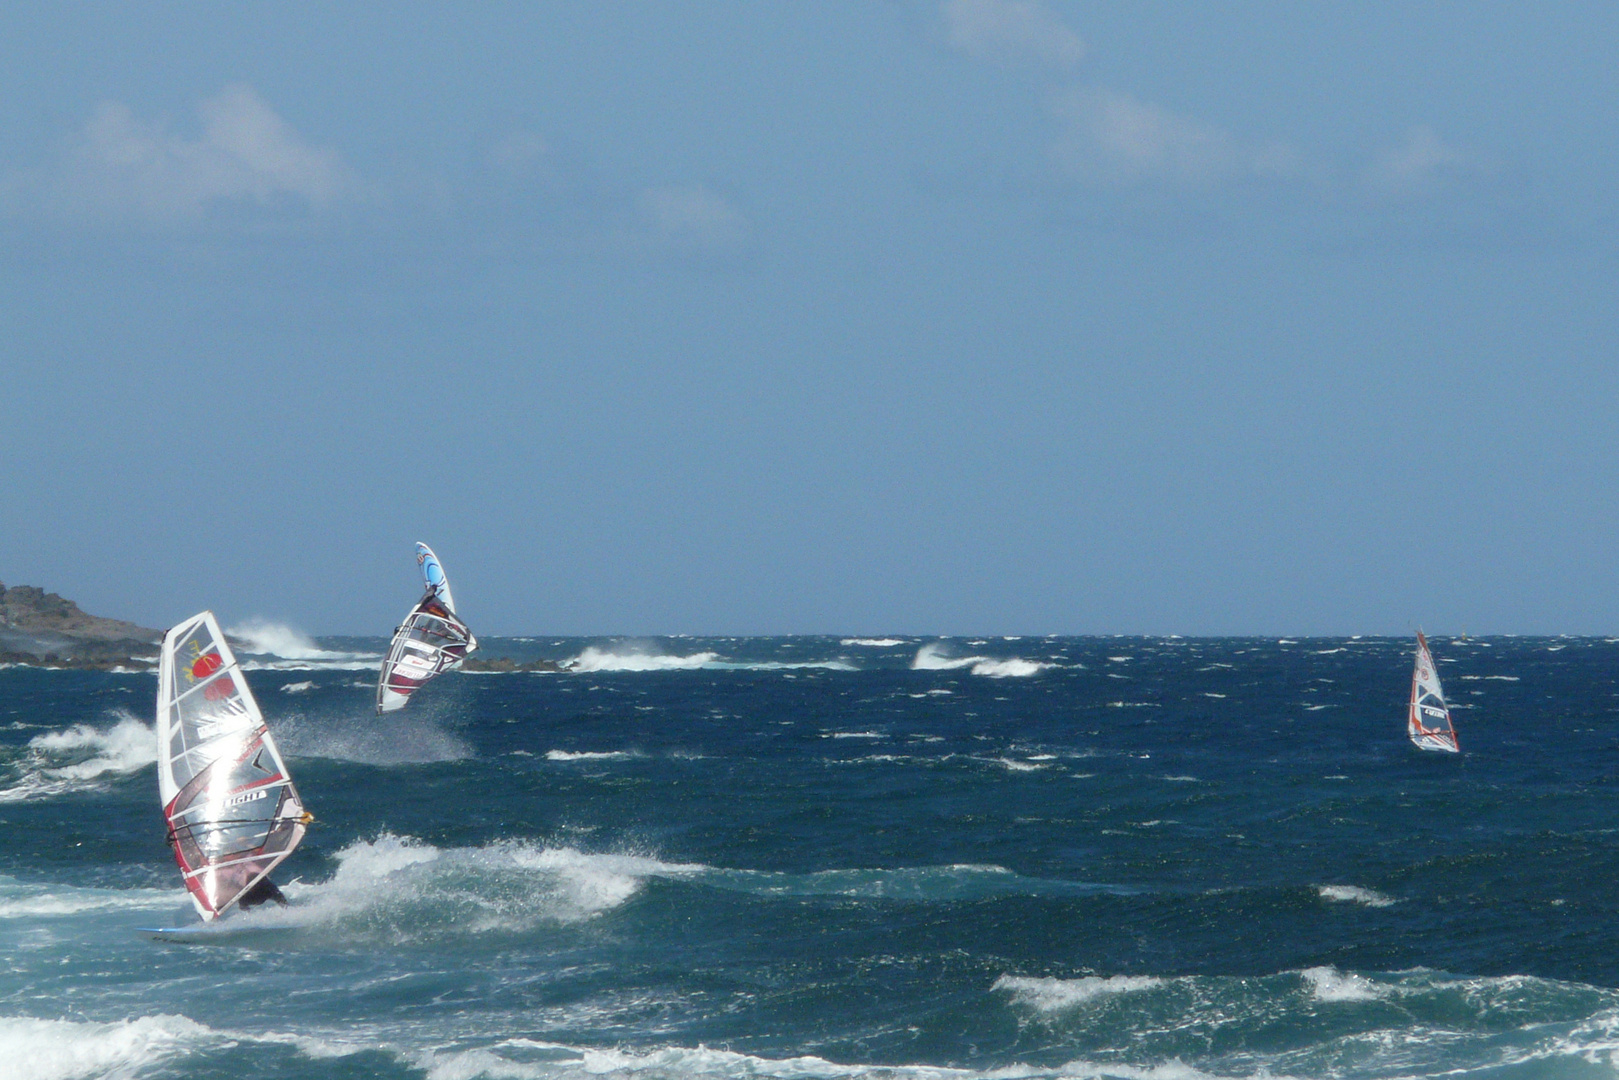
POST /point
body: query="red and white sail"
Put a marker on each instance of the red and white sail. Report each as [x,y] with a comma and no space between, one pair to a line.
[430,641]
[233,813]
[1428,721]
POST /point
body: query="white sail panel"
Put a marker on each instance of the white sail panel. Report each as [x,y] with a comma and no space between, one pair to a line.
[1428,720]
[232,810]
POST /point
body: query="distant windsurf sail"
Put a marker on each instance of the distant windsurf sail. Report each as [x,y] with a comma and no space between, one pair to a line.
[431,640]
[1429,719]
[233,813]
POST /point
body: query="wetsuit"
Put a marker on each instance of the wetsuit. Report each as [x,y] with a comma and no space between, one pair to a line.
[264,889]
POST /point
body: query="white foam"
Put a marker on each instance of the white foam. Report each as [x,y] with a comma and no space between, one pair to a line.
[82,756]
[853,735]
[1330,984]
[265,638]
[931,657]
[35,1049]
[297,687]
[594,659]
[1014,765]
[1053,995]
[402,888]
[22,900]
[1354,894]
[873,643]
[588,755]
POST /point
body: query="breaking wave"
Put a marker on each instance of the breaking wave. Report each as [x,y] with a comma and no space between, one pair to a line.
[80,757]
[1354,894]
[594,659]
[399,889]
[1052,995]
[266,645]
[932,657]
[873,643]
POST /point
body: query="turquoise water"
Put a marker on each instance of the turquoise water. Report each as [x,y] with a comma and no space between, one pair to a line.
[822,858]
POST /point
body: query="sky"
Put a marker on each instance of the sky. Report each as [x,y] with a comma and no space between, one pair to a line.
[960,317]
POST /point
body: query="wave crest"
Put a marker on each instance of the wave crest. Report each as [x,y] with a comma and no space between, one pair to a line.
[932,657]
[80,757]
[594,659]
[291,649]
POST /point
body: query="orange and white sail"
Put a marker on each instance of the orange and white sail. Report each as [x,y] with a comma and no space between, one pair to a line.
[1429,719]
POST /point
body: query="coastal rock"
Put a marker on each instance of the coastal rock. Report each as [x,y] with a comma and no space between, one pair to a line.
[41,627]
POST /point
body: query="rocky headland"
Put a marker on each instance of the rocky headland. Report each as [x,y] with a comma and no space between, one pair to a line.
[46,630]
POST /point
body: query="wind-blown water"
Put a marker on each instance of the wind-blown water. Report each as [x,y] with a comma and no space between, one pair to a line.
[820,858]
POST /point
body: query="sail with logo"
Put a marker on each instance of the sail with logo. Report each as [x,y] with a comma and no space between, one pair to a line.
[1429,719]
[431,640]
[233,813]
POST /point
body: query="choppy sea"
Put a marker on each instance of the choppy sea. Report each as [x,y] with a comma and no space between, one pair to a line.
[814,858]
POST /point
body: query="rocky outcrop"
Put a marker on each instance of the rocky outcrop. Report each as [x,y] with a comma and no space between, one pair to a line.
[41,627]
[506,663]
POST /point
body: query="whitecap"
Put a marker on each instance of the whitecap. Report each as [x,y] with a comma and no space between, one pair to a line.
[873,643]
[1052,995]
[290,649]
[593,659]
[36,1049]
[401,889]
[82,756]
[931,657]
[298,687]
[589,755]
[1330,984]
[21,900]
[1354,894]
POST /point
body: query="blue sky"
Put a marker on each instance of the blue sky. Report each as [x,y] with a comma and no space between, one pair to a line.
[982,316]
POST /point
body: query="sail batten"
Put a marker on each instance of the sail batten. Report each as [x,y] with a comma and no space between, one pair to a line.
[232,810]
[1428,718]
[431,640]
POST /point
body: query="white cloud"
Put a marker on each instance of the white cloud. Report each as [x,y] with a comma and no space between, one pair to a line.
[1417,165]
[1108,135]
[123,167]
[1012,29]
[691,214]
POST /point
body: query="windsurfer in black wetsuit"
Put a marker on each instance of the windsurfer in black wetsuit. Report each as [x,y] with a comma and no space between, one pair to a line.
[263,890]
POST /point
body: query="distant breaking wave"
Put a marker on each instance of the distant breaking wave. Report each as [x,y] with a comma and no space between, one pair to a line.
[594,659]
[291,650]
[931,657]
[629,659]
[873,643]
[1356,895]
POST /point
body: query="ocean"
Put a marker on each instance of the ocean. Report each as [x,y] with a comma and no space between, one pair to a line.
[812,858]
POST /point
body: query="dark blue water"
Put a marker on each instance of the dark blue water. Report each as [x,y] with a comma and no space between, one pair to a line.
[813,857]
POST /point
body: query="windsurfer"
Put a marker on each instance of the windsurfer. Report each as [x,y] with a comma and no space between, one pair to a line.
[263,890]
